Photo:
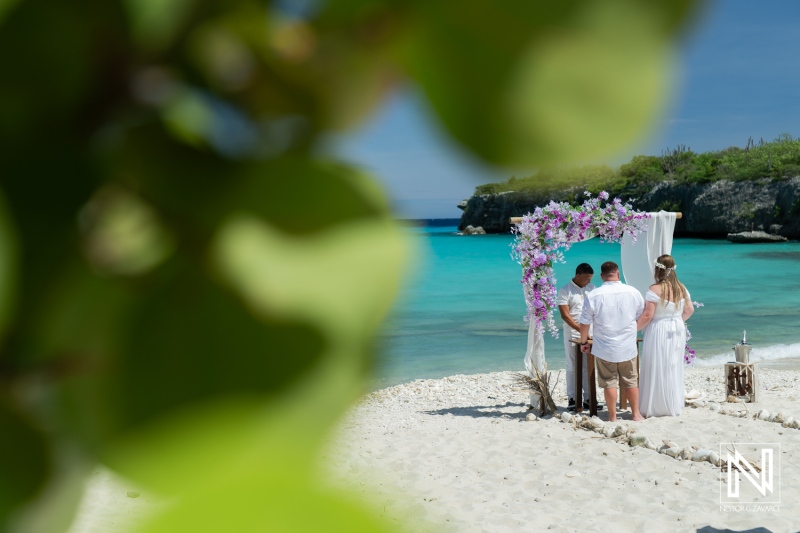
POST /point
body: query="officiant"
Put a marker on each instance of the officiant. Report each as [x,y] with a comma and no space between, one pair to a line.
[570,305]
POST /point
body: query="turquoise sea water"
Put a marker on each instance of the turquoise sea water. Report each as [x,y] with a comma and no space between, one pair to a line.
[461,309]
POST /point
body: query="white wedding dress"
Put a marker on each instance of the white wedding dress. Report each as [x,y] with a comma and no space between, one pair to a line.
[661,364]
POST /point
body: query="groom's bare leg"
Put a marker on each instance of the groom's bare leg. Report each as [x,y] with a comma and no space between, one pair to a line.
[611,403]
[633,399]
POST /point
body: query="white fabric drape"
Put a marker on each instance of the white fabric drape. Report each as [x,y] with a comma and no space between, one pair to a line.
[534,356]
[638,258]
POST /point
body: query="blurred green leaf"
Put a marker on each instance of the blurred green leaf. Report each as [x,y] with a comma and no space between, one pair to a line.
[155,23]
[128,360]
[199,445]
[76,346]
[345,279]
[331,71]
[354,70]
[194,189]
[8,268]
[190,340]
[304,196]
[66,59]
[81,320]
[223,56]
[246,505]
[220,344]
[24,460]
[122,234]
[189,118]
[55,507]
[184,183]
[536,83]
[244,463]
[5,7]
[674,16]
[583,94]
[341,280]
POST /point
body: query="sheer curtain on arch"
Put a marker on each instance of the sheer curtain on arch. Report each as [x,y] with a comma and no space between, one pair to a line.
[638,258]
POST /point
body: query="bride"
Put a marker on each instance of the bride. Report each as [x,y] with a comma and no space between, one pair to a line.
[667,306]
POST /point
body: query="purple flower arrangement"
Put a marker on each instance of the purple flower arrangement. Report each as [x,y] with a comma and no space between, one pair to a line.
[544,235]
[688,355]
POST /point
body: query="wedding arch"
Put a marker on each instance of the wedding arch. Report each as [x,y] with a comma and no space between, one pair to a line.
[543,236]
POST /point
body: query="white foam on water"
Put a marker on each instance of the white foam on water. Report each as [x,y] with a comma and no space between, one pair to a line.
[757,354]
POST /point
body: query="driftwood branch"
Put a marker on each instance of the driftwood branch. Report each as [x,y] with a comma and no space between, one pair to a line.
[541,385]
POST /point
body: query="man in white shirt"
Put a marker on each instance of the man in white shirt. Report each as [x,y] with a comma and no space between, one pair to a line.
[570,305]
[612,309]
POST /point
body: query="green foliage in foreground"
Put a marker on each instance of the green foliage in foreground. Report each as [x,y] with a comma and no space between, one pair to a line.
[189,288]
[778,159]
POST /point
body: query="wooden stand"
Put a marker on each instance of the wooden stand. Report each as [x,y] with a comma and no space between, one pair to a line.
[741,380]
[579,378]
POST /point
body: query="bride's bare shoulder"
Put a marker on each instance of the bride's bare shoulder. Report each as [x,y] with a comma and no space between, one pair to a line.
[656,288]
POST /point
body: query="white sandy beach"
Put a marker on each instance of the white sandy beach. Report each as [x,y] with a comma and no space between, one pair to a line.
[458,454]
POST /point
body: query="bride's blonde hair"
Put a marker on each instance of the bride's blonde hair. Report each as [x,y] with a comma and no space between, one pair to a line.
[666,277]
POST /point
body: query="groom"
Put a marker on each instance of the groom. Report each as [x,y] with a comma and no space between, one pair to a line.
[612,309]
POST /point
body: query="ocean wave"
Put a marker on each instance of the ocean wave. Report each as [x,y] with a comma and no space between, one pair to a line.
[757,354]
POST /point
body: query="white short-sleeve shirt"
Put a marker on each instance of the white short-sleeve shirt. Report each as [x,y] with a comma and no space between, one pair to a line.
[572,295]
[612,309]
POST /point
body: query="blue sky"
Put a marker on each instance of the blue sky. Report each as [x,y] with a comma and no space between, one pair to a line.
[737,77]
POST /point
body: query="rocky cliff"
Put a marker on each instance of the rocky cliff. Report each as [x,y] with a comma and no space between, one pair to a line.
[709,209]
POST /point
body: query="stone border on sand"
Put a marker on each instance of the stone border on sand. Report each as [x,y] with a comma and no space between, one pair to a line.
[626,434]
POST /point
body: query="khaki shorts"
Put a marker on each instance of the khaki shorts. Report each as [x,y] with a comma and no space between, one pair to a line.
[610,374]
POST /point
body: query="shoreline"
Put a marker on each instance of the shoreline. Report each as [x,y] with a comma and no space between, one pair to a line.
[457,453]
[785,363]
[788,363]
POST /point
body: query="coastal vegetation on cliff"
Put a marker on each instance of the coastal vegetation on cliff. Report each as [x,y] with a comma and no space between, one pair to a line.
[778,159]
[730,190]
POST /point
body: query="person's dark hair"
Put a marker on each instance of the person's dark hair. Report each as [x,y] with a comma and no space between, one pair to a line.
[608,267]
[584,268]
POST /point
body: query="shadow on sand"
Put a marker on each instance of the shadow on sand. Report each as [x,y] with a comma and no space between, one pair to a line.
[503,410]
